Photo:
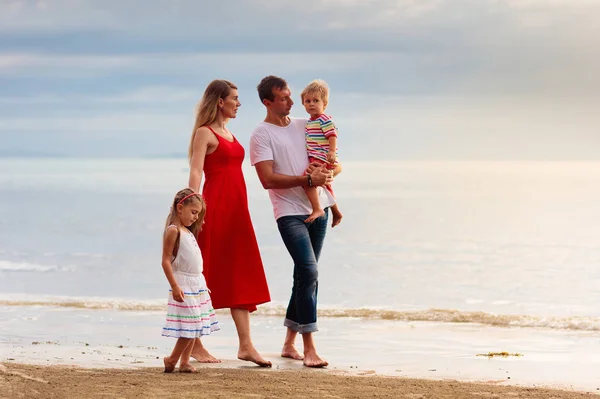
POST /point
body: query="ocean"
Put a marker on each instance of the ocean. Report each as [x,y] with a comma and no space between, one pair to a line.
[490,247]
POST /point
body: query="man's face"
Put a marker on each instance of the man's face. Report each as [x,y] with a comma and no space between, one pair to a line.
[282,102]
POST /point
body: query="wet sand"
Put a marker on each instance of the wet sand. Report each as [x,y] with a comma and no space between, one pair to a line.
[50,382]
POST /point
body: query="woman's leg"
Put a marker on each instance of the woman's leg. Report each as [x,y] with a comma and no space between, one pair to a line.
[241,318]
[200,353]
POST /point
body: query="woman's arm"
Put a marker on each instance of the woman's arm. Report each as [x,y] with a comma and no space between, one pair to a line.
[199,151]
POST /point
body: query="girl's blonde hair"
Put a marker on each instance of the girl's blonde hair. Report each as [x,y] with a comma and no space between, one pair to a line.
[206,112]
[197,226]
[318,87]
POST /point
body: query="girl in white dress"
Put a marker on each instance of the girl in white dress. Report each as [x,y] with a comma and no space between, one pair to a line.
[190,314]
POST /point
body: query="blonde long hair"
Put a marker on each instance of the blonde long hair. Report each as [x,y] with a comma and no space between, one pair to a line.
[206,112]
[197,226]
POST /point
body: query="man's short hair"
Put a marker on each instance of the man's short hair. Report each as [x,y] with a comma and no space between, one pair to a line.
[266,86]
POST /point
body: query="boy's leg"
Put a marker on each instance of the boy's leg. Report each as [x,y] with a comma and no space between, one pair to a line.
[313,198]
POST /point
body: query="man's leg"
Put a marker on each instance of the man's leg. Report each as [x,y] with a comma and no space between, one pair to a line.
[301,317]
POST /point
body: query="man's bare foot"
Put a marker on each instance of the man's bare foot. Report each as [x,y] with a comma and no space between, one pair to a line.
[251,355]
[201,355]
[291,352]
[336,217]
[313,360]
[169,367]
[314,215]
[187,368]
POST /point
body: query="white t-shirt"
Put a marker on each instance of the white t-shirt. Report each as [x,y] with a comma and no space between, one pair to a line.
[286,147]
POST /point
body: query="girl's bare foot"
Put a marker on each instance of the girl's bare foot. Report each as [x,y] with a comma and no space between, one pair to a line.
[251,355]
[291,352]
[311,359]
[314,215]
[201,355]
[336,217]
[187,368]
[169,367]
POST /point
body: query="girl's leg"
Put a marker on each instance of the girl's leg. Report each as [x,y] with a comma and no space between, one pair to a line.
[247,351]
[313,197]
[184,363]
[200,353]
[171,361]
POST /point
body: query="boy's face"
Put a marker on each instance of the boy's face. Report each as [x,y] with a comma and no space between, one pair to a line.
[313,104]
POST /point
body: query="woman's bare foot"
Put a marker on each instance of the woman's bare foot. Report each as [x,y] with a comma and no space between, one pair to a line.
[311,359]
[251,355]
[314,215]
[169,367]
[187,368]
[291,352]
[201,355]
[336,217]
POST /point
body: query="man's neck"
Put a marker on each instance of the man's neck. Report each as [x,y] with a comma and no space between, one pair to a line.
[277,120]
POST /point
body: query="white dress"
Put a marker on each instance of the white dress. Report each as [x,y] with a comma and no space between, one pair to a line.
[195,316]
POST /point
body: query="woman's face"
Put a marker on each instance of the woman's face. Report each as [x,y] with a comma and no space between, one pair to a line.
[231,104]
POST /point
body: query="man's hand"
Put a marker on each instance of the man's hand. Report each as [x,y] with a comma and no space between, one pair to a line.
[178,294]
[320,175]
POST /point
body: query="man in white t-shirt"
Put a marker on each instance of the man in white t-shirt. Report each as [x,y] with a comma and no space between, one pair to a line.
[278,152]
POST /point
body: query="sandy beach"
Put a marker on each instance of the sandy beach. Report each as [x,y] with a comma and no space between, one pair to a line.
[50,382]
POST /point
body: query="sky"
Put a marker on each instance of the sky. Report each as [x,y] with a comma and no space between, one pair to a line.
[409,79]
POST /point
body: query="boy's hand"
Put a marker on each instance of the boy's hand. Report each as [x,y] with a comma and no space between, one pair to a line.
[331,157]
[178,294]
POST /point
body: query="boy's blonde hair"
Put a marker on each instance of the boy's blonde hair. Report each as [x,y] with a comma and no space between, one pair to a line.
[319,87]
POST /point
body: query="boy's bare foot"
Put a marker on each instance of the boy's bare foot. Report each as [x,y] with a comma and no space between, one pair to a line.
[169,367]
[291,352]
[201,355]
[311,359]
[314,215]
[251,355]
[336,217]
[187,368]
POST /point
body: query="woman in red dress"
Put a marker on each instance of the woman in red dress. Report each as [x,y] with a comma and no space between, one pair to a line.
[232,264]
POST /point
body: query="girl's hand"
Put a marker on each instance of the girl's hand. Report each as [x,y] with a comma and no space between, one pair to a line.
[331,157]
[178,294]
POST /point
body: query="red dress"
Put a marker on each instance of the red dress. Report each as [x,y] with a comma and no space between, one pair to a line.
[232,264]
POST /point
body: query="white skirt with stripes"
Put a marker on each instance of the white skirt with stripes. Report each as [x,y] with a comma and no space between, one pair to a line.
[195,316]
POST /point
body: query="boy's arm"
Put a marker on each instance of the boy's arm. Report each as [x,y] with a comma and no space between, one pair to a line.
[331,155]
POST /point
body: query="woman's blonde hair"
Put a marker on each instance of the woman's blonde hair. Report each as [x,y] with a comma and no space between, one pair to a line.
[206,112]
[318,87]
[187,192]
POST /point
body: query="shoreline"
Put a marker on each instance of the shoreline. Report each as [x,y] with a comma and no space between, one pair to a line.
[50,382]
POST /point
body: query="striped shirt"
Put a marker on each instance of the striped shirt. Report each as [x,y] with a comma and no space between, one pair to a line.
[318,131]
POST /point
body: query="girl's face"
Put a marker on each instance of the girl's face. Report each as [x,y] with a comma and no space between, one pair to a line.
[229,105]
[313,104]
[189,213]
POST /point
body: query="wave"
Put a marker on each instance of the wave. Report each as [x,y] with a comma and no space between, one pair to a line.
[31,267]
[576,323]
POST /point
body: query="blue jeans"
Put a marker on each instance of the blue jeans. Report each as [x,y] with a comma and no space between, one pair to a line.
[304,242]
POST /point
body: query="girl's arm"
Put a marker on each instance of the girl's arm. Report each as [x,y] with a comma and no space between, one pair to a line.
[168,247]
[200,148]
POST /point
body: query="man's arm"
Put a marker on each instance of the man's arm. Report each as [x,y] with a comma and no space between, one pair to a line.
[269,179]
